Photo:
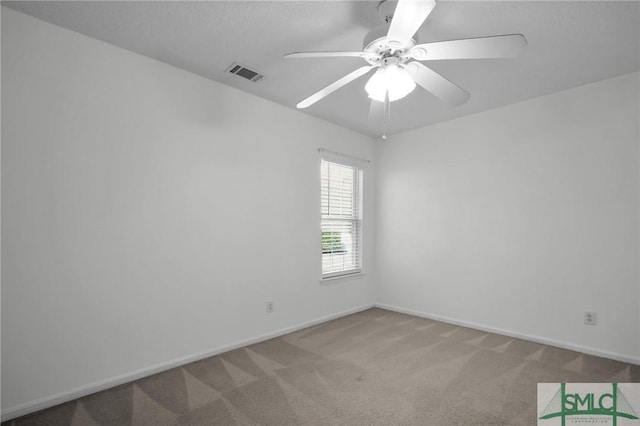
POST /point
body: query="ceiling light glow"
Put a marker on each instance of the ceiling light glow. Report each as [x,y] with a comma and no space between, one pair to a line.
[393,79]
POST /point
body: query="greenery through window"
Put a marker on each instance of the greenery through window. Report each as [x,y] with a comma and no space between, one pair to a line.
[341,218]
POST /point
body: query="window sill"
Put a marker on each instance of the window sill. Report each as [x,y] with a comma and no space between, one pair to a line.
[346,277]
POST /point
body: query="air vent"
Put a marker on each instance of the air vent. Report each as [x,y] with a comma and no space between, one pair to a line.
[244,72]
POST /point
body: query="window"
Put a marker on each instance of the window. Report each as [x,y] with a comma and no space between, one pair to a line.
[341,224]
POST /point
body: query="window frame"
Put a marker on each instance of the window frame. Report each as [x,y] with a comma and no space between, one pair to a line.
[358,221]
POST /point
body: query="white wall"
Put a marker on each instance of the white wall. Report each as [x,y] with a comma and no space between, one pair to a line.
[148,214]
[520,218]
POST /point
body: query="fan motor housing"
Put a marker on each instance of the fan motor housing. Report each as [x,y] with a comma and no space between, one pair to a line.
[376,42]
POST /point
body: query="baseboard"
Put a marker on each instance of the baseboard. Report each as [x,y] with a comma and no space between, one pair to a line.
[532,338]
[62,397]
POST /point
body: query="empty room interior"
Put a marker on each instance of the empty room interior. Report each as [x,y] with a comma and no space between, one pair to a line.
[318,212]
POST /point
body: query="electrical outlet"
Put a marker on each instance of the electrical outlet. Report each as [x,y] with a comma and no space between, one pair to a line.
[269,307]
[590,318]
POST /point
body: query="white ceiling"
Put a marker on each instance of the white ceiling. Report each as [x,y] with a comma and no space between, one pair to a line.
[570,43]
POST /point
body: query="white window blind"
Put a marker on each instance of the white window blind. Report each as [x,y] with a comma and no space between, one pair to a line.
[341,219]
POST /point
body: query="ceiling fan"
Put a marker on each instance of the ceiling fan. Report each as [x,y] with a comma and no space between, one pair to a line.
[393,51]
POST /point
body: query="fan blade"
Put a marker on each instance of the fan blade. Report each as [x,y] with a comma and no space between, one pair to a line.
[436,84]
[387,110]
[379,112]
[376,111]
[407,19]
[335,86]
[326,54]
[503,46]
[387,115]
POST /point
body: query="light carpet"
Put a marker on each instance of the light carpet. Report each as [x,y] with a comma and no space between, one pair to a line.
[375,367]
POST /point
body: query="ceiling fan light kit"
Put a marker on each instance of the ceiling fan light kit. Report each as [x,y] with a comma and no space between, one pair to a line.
[393,50]
[390,78]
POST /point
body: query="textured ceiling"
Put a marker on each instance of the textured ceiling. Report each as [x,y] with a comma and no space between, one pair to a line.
[570,43]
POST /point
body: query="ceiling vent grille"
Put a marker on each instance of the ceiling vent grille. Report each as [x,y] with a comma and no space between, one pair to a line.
[244,72]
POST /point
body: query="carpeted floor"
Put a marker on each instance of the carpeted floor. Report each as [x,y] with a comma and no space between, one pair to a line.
[372,368]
